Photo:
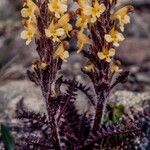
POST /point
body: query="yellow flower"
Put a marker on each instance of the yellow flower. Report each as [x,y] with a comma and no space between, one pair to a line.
[106,54]
[29,33]
[30,11]
[97,10]
[115,67]
[64,23]
[82,40]
[61,52]
[90,67]
[34,64]
[122,16]
[92,12]
[82,21]
[84,6]
[43,65]
[54,32]
[58,7]
[114,37]
[83,3]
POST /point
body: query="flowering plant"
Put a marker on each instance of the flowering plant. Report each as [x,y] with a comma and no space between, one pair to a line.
[97,26]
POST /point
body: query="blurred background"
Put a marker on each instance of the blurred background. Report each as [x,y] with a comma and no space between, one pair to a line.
[16,58]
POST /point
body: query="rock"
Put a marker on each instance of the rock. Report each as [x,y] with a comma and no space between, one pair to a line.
[139,26]
[134,51]
[137,2]
[13,6]
[13,73]
[145,67]
[143,77]
[12,46]
[12,92]
[4,5]
[134,100]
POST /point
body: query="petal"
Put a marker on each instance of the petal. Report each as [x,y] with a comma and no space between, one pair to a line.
[78,22]
[63,8]
[102,8]
[47,32]
[83,3]
[60,32]
[87,10]
[108,59]
[57,15]
[80,46]
[98,14]
[93,19]
[28,41]
[50,8]
[112,52]
[122,28]
[126,19]
[43,66]
[101,55]
[64,19]
[108,38]
[24,12]
[69,27]
[116,44]
[64,1]
[120,37]
[120,70]
[59,50]
[66,54]
[24,34]
[113,68]
[79,50]
[55,39]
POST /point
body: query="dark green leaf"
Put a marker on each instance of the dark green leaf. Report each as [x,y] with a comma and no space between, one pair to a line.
[119,111]
[7,138]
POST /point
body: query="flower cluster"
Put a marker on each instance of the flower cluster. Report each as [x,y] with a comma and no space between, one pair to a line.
[29,12]
[114,37]
[86,15]
[59,26]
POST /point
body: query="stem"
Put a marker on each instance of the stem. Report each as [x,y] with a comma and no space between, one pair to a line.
[53,135]
[63,109]
[51,107]
[100,109]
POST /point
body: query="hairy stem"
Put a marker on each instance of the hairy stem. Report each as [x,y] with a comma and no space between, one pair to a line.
[100,109]
[53,135]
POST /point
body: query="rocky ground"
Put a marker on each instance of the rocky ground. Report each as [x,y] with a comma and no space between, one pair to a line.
[15,59]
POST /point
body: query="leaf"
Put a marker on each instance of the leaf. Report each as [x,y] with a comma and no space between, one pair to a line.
[122,78]
[115,112]
[119,111]
[32,76]
[7,138]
